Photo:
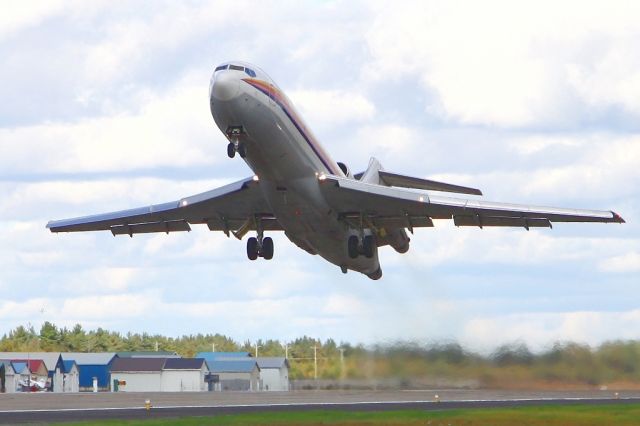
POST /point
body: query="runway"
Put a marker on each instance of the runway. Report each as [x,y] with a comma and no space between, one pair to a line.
[49,407]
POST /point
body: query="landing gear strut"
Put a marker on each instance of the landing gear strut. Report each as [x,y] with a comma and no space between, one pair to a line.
[366,247]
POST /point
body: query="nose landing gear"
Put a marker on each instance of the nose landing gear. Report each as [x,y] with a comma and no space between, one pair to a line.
[238,147]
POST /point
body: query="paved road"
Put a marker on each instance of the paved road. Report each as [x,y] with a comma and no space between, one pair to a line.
[47,407]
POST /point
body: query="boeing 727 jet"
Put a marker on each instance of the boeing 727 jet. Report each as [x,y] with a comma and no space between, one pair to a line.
[298,188]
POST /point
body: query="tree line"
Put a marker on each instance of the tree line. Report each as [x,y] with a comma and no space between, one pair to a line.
[408,363]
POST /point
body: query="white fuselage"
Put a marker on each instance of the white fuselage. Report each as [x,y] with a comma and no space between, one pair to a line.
[249,108]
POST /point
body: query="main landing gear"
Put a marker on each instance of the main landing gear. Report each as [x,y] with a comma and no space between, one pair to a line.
[260,246]
[238,147]
[357,247]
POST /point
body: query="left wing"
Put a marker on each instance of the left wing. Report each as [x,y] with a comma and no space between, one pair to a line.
[385,206]
[236,206]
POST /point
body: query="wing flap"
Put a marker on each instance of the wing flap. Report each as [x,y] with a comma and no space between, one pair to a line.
[482,221]
[148,228]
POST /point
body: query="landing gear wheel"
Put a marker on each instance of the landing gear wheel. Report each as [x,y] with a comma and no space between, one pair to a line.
[252,248]
[368,246]
[352,246]
[231,150]
[242,150]
[267,248]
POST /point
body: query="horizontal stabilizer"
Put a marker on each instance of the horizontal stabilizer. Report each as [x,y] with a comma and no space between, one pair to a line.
[393,179]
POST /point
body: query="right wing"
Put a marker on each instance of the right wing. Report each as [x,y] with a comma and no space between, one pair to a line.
[233,207]
[391,207]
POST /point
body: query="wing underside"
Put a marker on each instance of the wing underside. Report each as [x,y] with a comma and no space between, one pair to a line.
[385,206]
[238,205]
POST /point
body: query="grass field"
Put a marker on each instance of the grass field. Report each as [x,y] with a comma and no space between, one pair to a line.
[575,415]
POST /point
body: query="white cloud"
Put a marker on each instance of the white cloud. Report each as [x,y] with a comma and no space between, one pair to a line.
[332,107]
[172,130]
[20,15]
[628,262]
[541,329]
[507,64]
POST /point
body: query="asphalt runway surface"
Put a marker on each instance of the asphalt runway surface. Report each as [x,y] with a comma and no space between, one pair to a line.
[44,408]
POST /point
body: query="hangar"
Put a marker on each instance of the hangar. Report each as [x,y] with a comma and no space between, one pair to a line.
[53,365]
[71,381]
[274,373]
[242,374]
[159,374]
[92,365]
[8,377]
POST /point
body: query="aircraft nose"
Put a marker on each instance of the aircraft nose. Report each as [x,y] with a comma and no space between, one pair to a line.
[225,86]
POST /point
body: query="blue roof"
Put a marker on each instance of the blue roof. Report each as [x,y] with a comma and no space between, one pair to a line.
[19,366]
[232,366]
[68,365]
[212,356]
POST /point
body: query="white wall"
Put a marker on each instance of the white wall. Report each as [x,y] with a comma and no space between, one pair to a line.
[11,382]
[138,381]
[71,381]
[183,381]
[275,379]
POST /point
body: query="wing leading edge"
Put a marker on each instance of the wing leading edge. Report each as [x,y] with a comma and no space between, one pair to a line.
[228,208]
[395,205]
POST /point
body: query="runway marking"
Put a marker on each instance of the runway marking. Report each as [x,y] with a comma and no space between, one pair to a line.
[323,404]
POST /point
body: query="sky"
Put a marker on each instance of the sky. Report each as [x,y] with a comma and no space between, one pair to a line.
[104,106]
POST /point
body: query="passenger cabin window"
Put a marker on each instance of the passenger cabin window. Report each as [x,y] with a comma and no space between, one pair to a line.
[236,67]
[221,67]
[249,71]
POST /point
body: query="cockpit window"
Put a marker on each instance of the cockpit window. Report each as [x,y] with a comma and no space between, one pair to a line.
[249,71]
[236,67]
[221,67]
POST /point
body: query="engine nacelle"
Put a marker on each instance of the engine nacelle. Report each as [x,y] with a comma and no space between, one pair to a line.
[345,170]
[399,240]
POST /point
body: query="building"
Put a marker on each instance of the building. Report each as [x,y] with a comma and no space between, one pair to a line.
[184,375]
[53,365]
[92,365]
[136,374]
[274,373]
[23,375]
[242,374]
[159,375]
[8,378]
[71,381]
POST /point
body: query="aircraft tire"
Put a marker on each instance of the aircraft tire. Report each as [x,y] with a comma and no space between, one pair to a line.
[242,150]
[231,150]
[352,246]
[267,248]
[368,246]
[252,248]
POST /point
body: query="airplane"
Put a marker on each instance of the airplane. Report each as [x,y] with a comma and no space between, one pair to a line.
[321,206]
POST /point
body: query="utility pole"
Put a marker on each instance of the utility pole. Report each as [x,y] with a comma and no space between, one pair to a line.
[286,351]
[315,363]
[156,346]
[342,363]
[257,349]
[213,347]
